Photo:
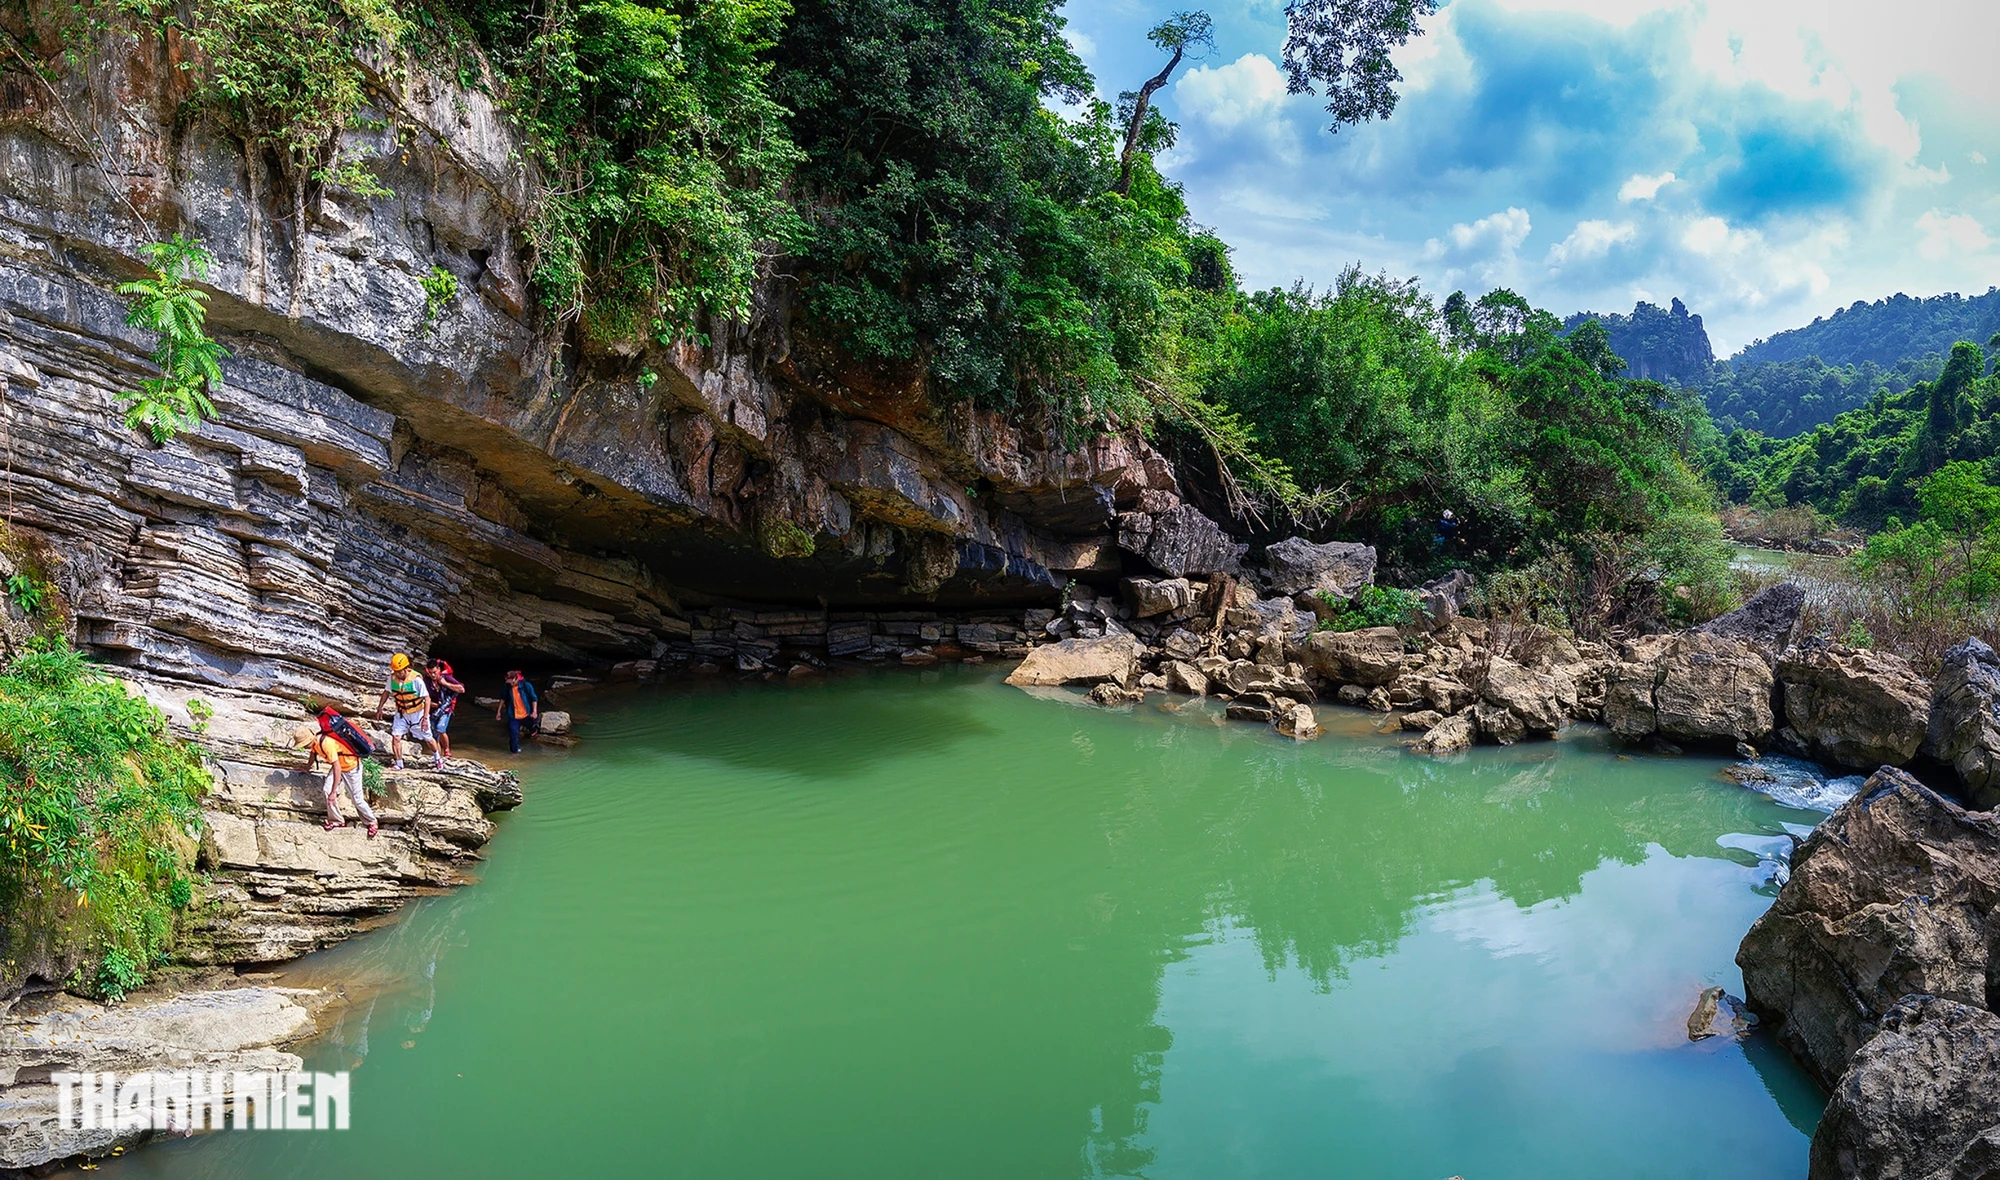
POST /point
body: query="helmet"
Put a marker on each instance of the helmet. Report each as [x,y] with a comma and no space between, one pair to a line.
[399,662]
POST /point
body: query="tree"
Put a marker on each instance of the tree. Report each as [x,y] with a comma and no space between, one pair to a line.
[1145,130]
[1960,501]
[1344,46]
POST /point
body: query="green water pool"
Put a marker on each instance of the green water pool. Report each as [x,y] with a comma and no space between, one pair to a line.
[926,925]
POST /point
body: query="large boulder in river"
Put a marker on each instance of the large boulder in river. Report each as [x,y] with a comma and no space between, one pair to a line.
[1337,567]
[1370,656]
[1181,541]
[1530,696]
[1964,727]
[1893,895]
[1766,622]
[1854,707]
[1921,1100]
[1448,736]
[1080,661]
[1691,687]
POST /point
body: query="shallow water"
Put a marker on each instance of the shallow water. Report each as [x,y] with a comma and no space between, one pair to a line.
[926,925]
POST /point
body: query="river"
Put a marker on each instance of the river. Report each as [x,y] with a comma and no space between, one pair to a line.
[926,925]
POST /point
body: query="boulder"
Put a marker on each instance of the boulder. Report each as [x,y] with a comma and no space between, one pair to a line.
[1444,598]
[1500,724]
[1370,656]
[1352,695]
[1691,687]
[1111,694]
[1422,721]
[1628,700]
[1448,736]
[1854,707]
[1964,727]
[555,723]
[1341,568]
[1297,722]
[1766,622]
[1529,696]
[1182,644]
[1921,1101]
[1281,684]
[1185,677]
[1892,895]
[1150,599]
[1181,541]
[1080,661]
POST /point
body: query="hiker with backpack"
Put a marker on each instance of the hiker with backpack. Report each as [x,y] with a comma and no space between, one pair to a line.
[521,709]
[444,689]
[343,769]
[413,711]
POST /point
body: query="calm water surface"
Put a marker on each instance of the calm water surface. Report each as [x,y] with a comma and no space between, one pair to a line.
[926,925]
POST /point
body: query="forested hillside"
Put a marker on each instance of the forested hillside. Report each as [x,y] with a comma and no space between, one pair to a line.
[1799,379]
[1869,464]
[1884,333]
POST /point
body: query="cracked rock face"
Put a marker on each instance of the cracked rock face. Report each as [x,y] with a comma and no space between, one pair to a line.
[1964,726]
[212,1031]
[384,479]
[1854,707]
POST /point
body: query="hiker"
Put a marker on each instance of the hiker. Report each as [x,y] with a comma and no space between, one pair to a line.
[520,709]
[1447,529]
[444,689]
[413,711]
[343,768]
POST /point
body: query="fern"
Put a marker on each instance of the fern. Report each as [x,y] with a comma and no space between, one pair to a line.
[190,362]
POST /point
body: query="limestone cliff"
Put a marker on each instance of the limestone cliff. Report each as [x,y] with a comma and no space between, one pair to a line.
[388,478]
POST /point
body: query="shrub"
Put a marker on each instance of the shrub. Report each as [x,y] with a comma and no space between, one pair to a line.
[98,814]
[1375,606]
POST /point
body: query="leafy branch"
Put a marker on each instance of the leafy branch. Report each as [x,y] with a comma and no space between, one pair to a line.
[190,362]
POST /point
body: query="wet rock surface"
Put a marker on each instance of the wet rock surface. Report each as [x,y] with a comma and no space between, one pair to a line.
[1893,895]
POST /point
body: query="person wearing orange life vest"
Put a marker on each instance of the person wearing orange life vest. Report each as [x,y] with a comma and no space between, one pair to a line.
[413,711]
[521,709]
[343,769]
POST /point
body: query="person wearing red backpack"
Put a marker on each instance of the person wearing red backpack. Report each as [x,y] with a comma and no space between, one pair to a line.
[445,689]
[343,769]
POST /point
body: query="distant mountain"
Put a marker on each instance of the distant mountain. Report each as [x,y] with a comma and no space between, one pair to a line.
[1657,343]
[1803,378]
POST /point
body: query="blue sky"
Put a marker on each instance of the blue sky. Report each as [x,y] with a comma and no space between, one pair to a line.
[1767,161]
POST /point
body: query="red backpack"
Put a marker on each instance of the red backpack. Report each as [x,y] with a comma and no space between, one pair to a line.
[341,730]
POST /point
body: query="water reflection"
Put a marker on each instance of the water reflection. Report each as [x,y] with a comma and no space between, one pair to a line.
[894,928]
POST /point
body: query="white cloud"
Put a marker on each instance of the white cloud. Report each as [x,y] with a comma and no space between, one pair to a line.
[1500,233]
[1591,239]
[1081,42]
[1644,188]
[1946,235]
[1251,88]
[1483,250]
[1979,157]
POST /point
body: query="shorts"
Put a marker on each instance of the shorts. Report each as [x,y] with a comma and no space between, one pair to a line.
[416,726]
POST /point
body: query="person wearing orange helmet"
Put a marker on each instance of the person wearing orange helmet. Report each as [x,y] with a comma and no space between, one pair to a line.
[412,699]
